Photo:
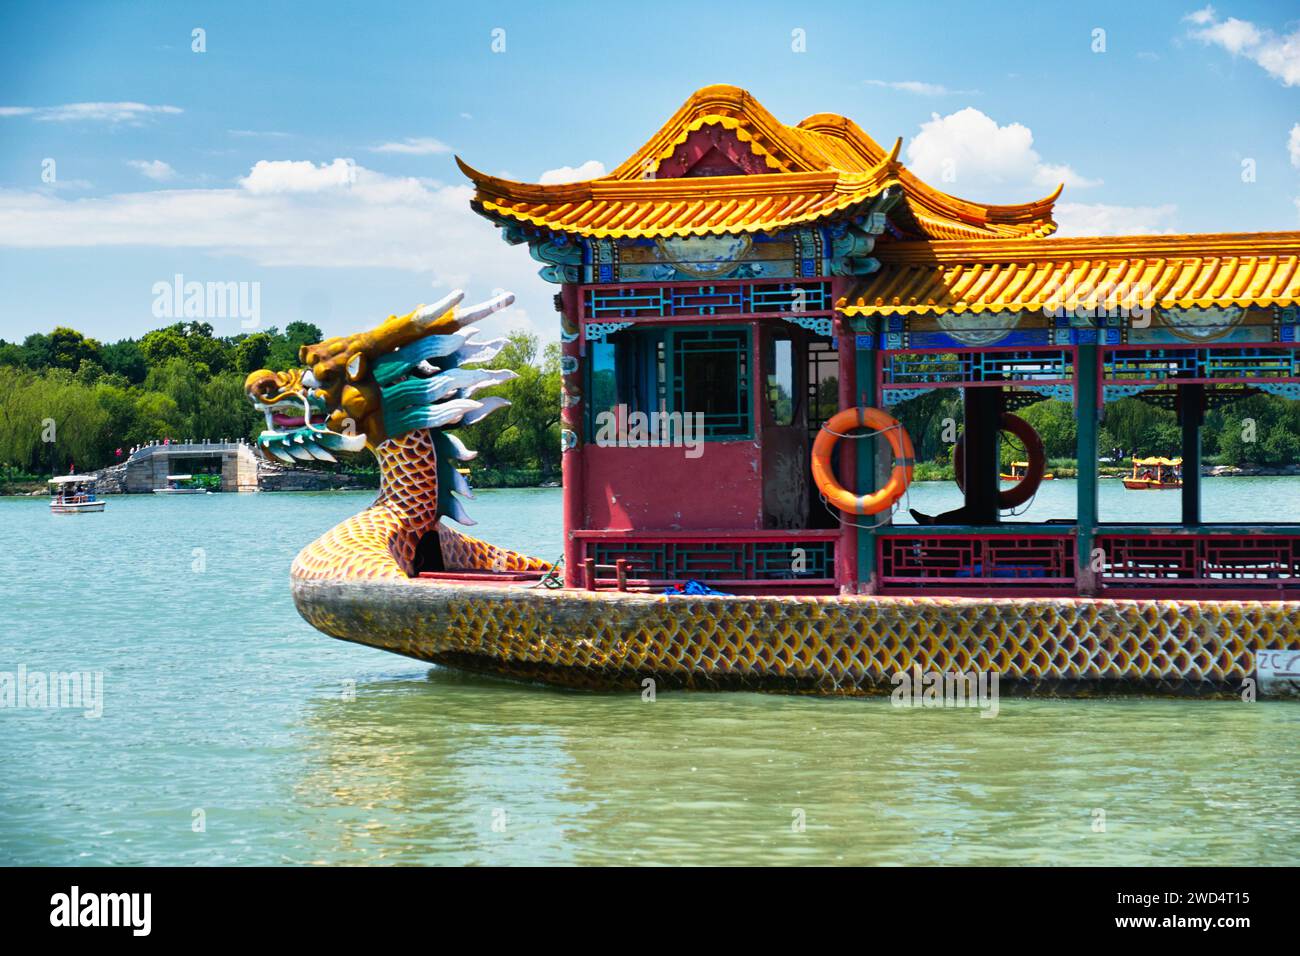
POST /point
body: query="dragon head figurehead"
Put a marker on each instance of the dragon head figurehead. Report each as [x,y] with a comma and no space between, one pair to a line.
[356,392]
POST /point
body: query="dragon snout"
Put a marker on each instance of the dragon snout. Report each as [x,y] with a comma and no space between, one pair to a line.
[262,386]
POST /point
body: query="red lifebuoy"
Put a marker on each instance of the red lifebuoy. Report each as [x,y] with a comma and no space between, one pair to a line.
[1027,486]
[842,422]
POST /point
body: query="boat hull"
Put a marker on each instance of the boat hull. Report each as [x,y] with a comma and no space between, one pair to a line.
[87,507]
[1140,484]
[844,645]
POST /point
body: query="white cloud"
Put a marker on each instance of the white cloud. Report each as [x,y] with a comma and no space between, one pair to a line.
[1277,55]
[419,146]
[919,87]
[101,112]
[300,214]
[154,169]
[1094,219]
[288,176]
[968,153]
[569,174]
[1293,145]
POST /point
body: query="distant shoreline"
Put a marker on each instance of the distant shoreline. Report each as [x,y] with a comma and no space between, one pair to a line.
[38,489]
[35,489]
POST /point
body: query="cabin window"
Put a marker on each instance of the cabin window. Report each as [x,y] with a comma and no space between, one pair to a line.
[823,383]
[674,370]
[627,370]
[711,375]
[780,381]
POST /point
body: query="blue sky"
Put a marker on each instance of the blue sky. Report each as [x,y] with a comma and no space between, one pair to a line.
[310,147]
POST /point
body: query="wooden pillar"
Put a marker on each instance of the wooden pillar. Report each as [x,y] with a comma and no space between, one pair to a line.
[573,411]
[1087,403]
[1191,413]
[846,554]
[865,357]
[982,408]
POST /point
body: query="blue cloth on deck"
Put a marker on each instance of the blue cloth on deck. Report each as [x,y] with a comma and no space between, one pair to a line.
[691,587]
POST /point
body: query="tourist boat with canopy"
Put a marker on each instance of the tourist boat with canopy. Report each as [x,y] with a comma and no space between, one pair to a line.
[74,495]
[1155,473]
[181,485]
[745,310]
[1020,471]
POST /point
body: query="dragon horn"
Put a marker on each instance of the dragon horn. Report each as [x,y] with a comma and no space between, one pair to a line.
[398,330]
[471,314]
[425,315]
[441,318]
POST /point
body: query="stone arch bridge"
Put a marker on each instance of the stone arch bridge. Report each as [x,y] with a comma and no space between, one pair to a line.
[149,465]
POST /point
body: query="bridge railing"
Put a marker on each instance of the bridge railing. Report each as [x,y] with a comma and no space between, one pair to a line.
[188,446]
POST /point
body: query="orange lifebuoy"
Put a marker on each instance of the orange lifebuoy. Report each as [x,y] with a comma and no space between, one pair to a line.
[844,421]
[1027,486]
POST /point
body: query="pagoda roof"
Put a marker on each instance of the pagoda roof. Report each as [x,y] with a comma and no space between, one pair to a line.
[824,168]
[1182,271]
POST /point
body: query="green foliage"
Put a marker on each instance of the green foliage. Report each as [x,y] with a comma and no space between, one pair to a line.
[181,382]
[525,437]
[69,348]
[933,420]
[283,349]
[38,353]
[49,421]
[933,471]
[123,358]
[1056,426]
[190,342]
[1258,430]
[251,352]
[1140,429]
[66,399]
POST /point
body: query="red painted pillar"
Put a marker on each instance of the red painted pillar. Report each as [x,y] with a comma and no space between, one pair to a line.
[757,409]
[572,413]
[846,552]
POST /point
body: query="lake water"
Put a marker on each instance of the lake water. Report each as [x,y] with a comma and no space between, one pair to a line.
[221,707]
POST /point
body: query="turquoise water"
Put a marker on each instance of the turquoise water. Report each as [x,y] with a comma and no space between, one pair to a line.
[221,705]
[1247,500]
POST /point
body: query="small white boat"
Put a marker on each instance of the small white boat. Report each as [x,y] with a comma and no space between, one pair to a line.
[74,495]
[179,485]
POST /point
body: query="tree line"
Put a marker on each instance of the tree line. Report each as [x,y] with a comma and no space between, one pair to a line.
[69,400]
[1258,429]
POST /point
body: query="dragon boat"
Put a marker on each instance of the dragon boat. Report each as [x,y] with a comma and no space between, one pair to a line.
[746,311]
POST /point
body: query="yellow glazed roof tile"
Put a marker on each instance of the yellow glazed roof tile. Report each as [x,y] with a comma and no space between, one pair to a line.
[924,278]
[824,167]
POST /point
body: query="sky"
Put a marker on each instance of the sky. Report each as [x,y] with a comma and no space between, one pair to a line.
[307,150]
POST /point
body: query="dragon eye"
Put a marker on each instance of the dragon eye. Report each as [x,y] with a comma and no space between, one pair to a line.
[356,367]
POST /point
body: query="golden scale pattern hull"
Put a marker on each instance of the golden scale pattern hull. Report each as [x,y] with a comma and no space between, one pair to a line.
[850,645]
[353,584]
